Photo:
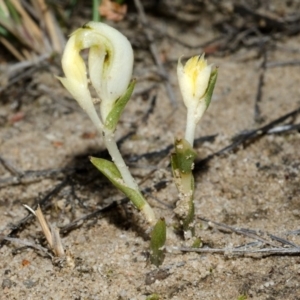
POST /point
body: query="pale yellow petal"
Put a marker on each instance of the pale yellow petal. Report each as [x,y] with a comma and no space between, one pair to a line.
[72,63]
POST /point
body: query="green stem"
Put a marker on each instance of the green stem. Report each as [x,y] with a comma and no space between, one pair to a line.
[96,15]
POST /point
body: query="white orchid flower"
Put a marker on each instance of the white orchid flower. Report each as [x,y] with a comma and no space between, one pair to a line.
[110,66]
[196,82]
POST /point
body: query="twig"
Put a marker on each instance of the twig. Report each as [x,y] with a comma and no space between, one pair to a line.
[254,234]
[199,46]
[154,51]
[269,23]
[26,177]
[10,47]
[78,222]
[150,109]
[258,98]
[242,139]
[276,64]
[28,244]
[236,251]
[17,71]
[10,167]
[165,151]
[282,241]
[33,176]
[284,128]
[20,66]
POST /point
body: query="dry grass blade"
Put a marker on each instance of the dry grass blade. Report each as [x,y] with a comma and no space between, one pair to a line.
[29,29]
[53,29]
[52,236]
[10,47]
[39,215]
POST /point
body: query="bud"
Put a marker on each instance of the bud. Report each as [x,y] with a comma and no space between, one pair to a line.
[196,82]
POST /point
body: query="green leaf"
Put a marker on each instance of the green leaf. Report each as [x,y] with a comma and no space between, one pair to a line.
[157,244]
[13,13]
[182,164]
[185,156]
[182,172]
[211,86]
[109,169]
[114,115]
[3,31]
[175,168]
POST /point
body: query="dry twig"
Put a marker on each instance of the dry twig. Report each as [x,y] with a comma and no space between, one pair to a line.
[250,248]
[251,135]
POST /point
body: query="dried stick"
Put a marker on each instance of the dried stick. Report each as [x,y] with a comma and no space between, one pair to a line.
[254,234]
[236,251]
[26,243]
[10,47]
[259,93]
[78,222]
[251,135]
[52,27]
[27,177]
[36,41]
[52,235]
[276,64]
[248,248]
[10,167]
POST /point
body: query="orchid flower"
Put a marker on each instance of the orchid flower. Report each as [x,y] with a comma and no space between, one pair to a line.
[110,65]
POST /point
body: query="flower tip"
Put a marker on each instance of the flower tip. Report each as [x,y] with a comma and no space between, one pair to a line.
[179,64]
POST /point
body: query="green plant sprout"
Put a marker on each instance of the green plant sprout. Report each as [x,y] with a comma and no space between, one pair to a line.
[157,245]
[196,81]
[153,297]
[110,64]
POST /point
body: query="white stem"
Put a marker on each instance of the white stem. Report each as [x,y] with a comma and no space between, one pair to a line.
[115,154]
[190,126]
[113,150]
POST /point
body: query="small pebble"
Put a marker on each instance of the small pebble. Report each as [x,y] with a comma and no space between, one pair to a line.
[7,283]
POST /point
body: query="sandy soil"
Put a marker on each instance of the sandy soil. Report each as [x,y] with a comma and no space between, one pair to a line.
[255,186]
